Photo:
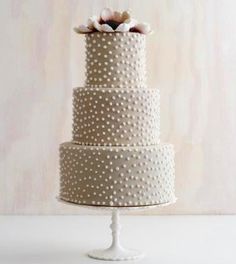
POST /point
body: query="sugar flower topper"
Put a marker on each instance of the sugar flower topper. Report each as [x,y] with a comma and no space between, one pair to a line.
[113,21]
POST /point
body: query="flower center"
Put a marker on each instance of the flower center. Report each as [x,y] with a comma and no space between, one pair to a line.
[113,24]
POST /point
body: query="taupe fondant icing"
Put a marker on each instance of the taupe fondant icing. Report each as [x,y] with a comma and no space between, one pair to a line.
[115,60]
[117,176]
[116,117]
[115,158]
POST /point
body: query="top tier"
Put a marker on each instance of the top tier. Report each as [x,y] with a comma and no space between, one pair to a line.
[115,50]
[115,60]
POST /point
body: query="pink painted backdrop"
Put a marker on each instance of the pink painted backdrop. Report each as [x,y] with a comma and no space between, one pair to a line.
[191,58]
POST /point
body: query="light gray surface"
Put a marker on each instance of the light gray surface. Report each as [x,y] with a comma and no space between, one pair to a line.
[166,239]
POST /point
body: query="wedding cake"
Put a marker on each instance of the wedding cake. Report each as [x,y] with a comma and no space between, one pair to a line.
[115,157]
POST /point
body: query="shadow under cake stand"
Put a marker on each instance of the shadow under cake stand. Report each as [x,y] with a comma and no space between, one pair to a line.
[116,251]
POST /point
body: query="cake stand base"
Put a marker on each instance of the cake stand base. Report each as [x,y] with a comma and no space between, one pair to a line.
[115,251]
[115,254]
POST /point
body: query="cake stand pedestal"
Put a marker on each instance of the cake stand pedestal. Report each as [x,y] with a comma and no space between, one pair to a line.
[116,251]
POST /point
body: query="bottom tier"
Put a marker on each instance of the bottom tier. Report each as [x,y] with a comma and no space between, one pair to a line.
[117,176]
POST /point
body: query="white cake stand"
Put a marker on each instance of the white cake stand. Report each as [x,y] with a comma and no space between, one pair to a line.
[116,251]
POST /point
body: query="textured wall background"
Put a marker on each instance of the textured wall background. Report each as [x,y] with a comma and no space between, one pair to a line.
[191,58]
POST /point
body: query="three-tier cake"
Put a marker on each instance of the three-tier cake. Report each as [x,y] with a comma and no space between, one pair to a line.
[115,157]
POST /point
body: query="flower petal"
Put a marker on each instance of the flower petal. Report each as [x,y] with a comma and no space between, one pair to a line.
[97,26]
[125,15]
[91,21]
[106,28]
[82,29]
[131,22]
[117,16]
[123,28]
[107,14]
[143,28]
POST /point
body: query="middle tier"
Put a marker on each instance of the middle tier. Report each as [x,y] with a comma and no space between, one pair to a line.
[116,117]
